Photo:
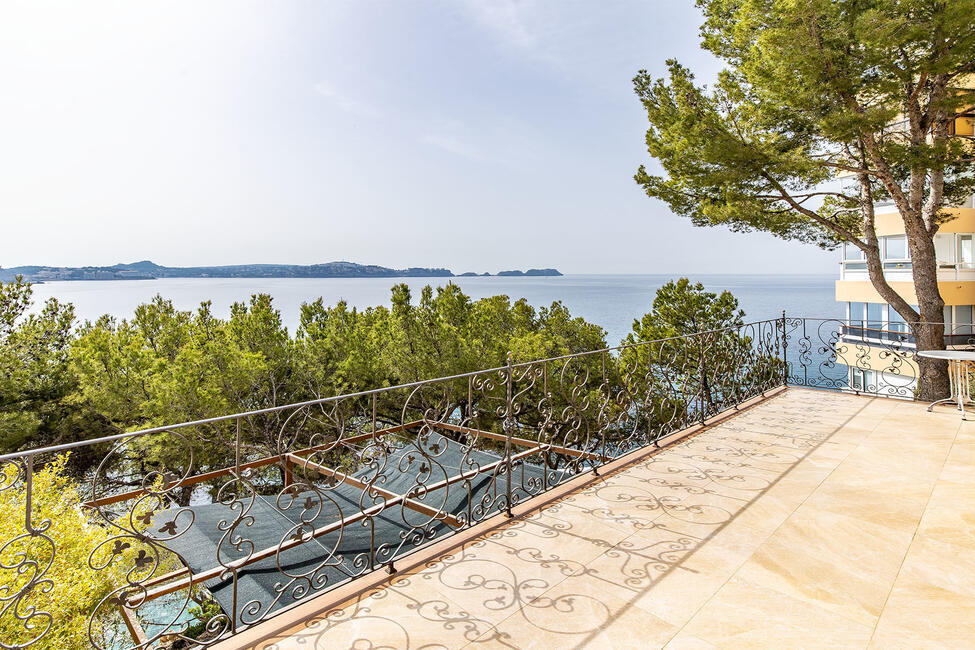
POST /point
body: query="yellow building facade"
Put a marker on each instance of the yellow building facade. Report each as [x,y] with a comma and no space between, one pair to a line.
[870,320]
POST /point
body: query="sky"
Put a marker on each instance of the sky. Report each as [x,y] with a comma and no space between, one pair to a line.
[474,135]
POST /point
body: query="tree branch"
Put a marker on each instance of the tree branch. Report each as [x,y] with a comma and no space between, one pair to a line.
[815,216]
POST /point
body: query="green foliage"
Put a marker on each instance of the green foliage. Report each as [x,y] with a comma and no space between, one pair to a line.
[78,588]
[807,93]
[164,365]
[681,308]
[37,405]
[680,373]
[825,108]
[444,333]
[202,614]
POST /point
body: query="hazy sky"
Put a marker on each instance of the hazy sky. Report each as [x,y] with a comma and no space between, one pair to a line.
[473,135]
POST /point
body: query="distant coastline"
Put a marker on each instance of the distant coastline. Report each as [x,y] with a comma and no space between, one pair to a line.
[146,270]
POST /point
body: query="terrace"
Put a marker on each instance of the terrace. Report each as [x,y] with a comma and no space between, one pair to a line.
[811,519]
[691,491]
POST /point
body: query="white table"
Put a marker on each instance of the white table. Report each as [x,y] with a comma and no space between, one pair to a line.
[959,363]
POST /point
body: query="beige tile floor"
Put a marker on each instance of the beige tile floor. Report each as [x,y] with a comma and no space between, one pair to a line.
[812,520]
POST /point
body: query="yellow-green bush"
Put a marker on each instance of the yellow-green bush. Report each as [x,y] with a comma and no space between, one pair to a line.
[65,594]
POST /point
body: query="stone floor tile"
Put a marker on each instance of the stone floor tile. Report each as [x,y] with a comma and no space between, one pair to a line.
[688,642]
[910,461]
[637,563]
[568,617]
[860,489]
[950,515]
[561,529]
[939,567]
[683,590]
[959,467]
[932,603]
[840,564]
[494,577]
[745,615]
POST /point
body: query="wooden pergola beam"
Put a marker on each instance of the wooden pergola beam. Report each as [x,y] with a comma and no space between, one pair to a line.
[270,460]
[521,442]
[133,626]
[207,476]
[412,504]
[215,572]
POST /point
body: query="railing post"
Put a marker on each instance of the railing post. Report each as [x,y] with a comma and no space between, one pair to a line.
[28,494]
[602,425]
[702,414]
[24,563]
[785,346]
[234,576]
[509,425]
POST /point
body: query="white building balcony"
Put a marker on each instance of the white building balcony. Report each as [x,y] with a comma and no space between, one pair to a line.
[902,271]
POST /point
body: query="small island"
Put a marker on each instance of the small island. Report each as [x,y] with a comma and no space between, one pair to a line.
[146,270]
[529,272]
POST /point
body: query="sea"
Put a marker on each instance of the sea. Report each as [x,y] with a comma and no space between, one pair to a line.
[611,301]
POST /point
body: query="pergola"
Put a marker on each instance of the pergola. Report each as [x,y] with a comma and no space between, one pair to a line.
[284,540]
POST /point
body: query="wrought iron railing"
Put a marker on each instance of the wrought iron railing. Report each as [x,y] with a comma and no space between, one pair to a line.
[861,357]
[193,531]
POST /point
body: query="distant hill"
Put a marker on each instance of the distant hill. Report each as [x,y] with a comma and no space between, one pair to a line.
[529,272]
[146,270]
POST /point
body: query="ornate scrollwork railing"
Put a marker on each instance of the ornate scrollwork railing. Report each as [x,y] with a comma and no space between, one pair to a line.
[858,356]
[199,529]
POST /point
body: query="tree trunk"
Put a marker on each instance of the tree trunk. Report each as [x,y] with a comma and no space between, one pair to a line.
[933,381]
[933,373]
[929,333]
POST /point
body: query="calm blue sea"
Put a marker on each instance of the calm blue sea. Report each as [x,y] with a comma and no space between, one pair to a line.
[612,301]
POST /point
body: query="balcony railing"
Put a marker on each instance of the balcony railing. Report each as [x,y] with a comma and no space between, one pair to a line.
[958,336]
[857,269]
[832,354]
[191,532]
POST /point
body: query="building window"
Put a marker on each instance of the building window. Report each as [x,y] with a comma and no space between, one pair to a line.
[875,318]
[851,252]
[944,248]
[862,379]
[897,322]
[965,250]
[895,247]
[963,320]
